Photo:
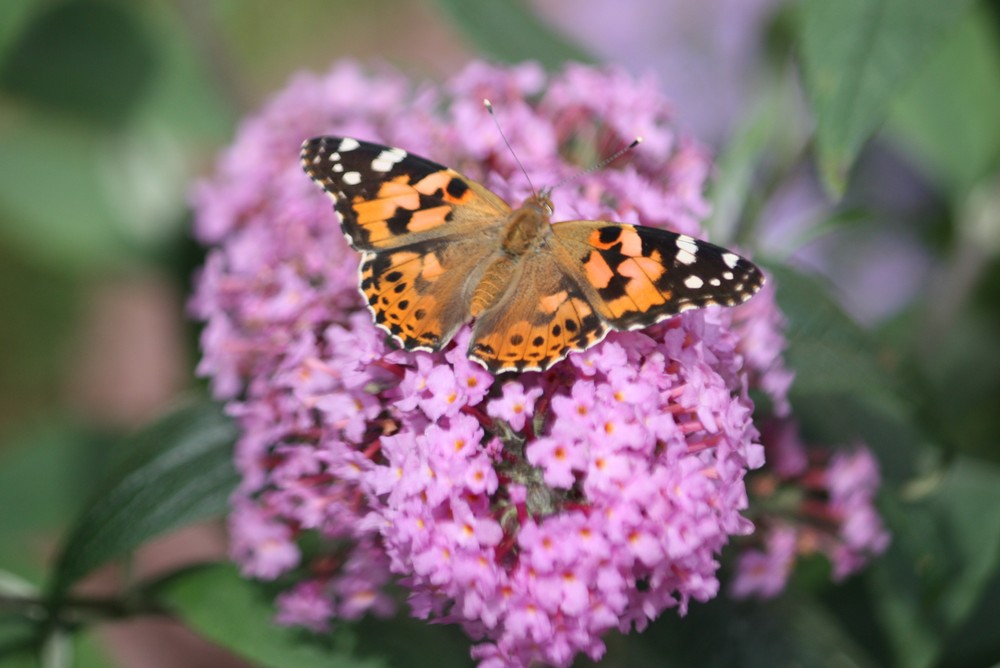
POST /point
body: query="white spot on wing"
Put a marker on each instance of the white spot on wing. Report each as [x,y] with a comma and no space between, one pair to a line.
[352,178]
[728,275]
[686,243]
[715,282]
[392,154]
[730,259]
[693,282]
[685,256]
[348,144]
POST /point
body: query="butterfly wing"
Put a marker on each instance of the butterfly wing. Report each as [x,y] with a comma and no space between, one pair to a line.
[424,231]
[388,198]
[542,316]
[591,277]
[636,276]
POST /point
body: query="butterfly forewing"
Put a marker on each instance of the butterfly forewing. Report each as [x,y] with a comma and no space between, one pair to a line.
[642,275]
[388,198]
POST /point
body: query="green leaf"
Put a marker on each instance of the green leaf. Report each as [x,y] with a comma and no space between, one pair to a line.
[88,59]
[239,615]
[857,55]
[178,471]
[788,631]
[53,198]
[945,550]
[234,613]
[46,473]
[34,353]
[14,15]
[829,352]
[948,117]
[975,642]
[845,387]
[186,103]
[510,32]
[756,160]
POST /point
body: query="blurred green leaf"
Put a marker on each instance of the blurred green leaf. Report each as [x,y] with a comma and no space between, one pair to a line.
[177,471]
[945,550]
[45,473]
[857,55]
[722,633]
[756,160]
[40,309]
[236,614]
[510,32]
[14,15]
[948,117]
[19,639]
[239,615]
[53,200]
[185,101]
[731,187]
[976,642]
[829,352]
[846,387]
[394,642]
[88,59]
[964,383]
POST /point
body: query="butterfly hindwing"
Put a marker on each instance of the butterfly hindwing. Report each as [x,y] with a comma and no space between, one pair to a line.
[543,315]
[641,275]
[421,293]
[388,198]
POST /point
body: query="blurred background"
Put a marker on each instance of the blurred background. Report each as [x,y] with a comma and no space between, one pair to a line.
[109,110]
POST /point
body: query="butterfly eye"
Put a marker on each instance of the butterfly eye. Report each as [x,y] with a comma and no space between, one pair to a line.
[545,202]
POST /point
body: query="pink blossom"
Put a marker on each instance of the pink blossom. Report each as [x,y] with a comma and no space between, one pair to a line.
[525,508]
[514,405]
[827,505]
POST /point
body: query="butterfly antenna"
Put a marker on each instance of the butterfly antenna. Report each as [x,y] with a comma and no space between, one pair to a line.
[603,163]
[489,108]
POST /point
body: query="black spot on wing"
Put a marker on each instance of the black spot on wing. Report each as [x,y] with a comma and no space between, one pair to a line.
[614,257]
[400,220]
[609,234]
[457,187]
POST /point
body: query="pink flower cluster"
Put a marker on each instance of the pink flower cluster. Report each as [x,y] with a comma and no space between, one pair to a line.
[538,511]
[819,502]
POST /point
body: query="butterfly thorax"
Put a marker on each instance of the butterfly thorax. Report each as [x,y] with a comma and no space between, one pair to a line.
[525,229]
[527,225]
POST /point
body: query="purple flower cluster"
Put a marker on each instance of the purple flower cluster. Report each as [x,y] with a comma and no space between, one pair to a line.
[538,511]
[819,502]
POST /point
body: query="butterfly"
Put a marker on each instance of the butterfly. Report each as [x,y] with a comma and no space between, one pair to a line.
[438,250]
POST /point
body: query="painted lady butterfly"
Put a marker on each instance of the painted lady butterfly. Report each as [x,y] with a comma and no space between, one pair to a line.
[438,249]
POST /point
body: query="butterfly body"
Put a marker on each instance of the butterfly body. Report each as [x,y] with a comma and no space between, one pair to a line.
[438,250]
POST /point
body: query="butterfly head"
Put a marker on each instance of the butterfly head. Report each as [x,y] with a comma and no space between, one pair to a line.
[542,201]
